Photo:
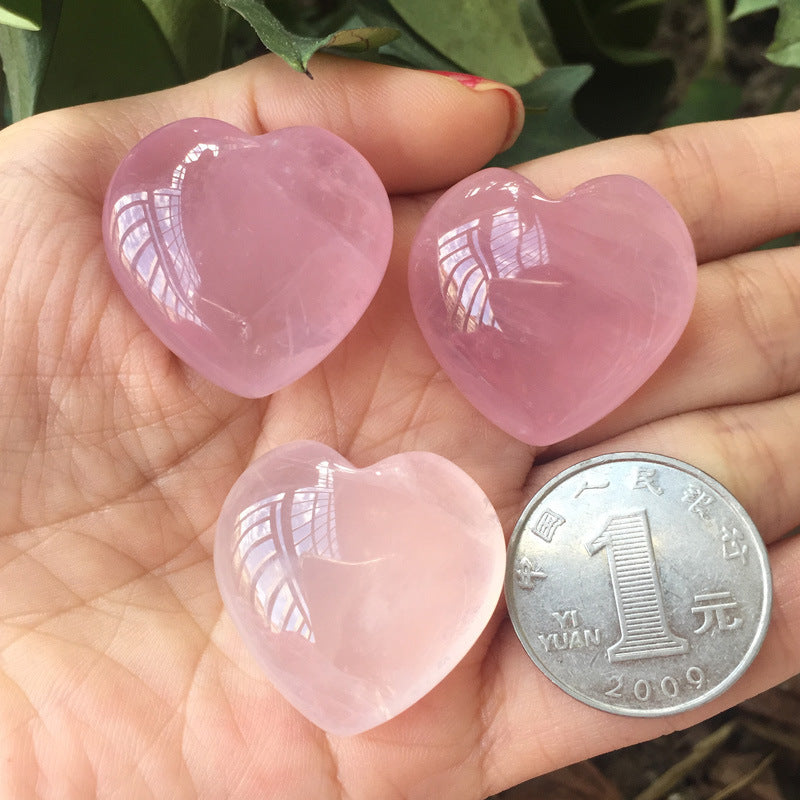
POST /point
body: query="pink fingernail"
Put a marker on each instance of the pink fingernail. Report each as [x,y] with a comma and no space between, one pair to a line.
[478,84]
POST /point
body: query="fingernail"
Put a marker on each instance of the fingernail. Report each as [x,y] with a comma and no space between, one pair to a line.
[478,84]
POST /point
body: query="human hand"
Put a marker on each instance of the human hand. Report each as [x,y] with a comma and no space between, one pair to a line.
[120,672]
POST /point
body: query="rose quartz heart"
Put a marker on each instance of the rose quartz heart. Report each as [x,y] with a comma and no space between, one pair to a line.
[250,257]
[357,590]
[548,314]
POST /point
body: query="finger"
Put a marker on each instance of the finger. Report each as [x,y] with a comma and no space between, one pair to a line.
[735,183]
[750,449]
[742,345]
[419,130]
[534,727]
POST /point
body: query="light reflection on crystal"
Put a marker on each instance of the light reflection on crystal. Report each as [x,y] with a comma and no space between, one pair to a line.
[465,270]
[152,244]
[588,295]
[270,539]
[361,616]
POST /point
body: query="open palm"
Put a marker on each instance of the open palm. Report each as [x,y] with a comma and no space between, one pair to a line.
[120,672]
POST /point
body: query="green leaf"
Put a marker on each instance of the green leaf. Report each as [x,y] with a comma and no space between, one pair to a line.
[5,110]
[625,93]
[634,5]
[484,37]
[785,49]
[312,17]
[745,7]
[358,40]
[789,240]
[591,32]
[615,25]
[409,48]
[24,14]
[295,50]
[708,97]
[241,41]
[105,49]
[537,28]
[550,123]
[25,56]
[632,56]
[195,31]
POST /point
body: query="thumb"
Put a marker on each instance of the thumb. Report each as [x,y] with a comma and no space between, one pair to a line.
[419,130]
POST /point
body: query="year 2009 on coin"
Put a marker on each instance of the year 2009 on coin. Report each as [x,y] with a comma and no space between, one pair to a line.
[638,584]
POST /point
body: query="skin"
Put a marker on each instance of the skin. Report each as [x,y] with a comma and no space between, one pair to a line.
[120,673]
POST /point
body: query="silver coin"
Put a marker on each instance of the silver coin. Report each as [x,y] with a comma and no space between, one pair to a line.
[638,584]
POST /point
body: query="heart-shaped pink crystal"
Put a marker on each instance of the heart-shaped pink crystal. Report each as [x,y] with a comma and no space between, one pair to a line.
[357,590]
[548,314]
[250,257]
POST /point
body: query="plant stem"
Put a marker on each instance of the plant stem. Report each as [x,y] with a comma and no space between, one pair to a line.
[745,780]
[704,749]
[715,54]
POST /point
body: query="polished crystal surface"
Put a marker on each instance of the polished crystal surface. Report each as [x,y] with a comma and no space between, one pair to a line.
[548,314]
[357,590]
[250,257]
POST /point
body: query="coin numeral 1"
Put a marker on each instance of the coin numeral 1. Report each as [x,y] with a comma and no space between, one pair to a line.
[637,590]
